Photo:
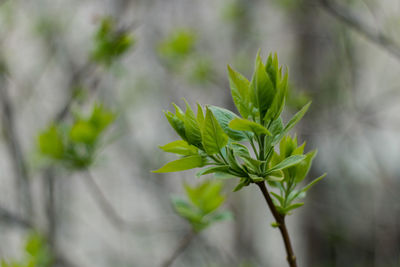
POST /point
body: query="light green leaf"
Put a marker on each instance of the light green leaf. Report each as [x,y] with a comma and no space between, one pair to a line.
[200,115]
[240,87]
[214,137]
[224,116]
[192,130]
[221,216]
[223,176]
[176,123]
[286,210]
[293,121]
[247,125]
[286,163]
[263,88]
[213,169]
[182,164]
[180,147]
[276,176]
[304,166]
[256,178]
[243,182]
[307,187]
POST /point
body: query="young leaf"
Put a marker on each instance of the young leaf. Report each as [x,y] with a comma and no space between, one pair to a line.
[286,210]
[200,116]
[182,164]
[221,216]
[247,125]
[240,87]
[307,187]
[225,116]
[192,130]
[214,137]
[293,121]
[263,88]
[176,123]
[180,147]
[286,163]
[214,169]
[304,166]
[243,182]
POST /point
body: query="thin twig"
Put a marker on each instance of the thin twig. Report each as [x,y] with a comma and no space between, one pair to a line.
[183,244]
[280,219]
[353,21]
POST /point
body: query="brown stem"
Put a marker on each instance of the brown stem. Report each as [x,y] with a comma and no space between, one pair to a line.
[181,247]
[280,219]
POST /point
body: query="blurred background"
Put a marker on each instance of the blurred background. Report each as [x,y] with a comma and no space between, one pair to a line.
[55,62]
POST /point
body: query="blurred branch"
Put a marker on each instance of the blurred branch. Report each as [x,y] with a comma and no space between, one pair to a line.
[14,147]
[184,243]
[13,219]
[353,21]
[104,204]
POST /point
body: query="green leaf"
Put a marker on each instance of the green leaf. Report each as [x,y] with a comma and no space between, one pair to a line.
[180,147]
[213,169]
[256,178]
[221,216]
[225,116]
[276,176]
[83,132]
[304,166]
[223,175]
[176,123]
[262,87]
[50,143]
[240,87]
[278,103]
[293,121]
[240,150]
[278,197]
[286,210]
[192,130]
[182,164]
[307,187]
[200,115]
[186,210]
[243,182]
[286,163]
[247,125]
[214,137]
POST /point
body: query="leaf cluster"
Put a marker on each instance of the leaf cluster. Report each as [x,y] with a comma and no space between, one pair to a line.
[244,147]
[75,145]
[37,253]
[110,43]
[201,208]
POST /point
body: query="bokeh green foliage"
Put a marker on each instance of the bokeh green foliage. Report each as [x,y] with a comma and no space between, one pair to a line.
[37,253]
[220,139]
[179,52]
[201,209]
[110,42]
[75,145]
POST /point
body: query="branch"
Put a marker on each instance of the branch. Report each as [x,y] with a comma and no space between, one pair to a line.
[353,21]
[13,219]
[104,204]
[14,146]
[180,248]
[280,219]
